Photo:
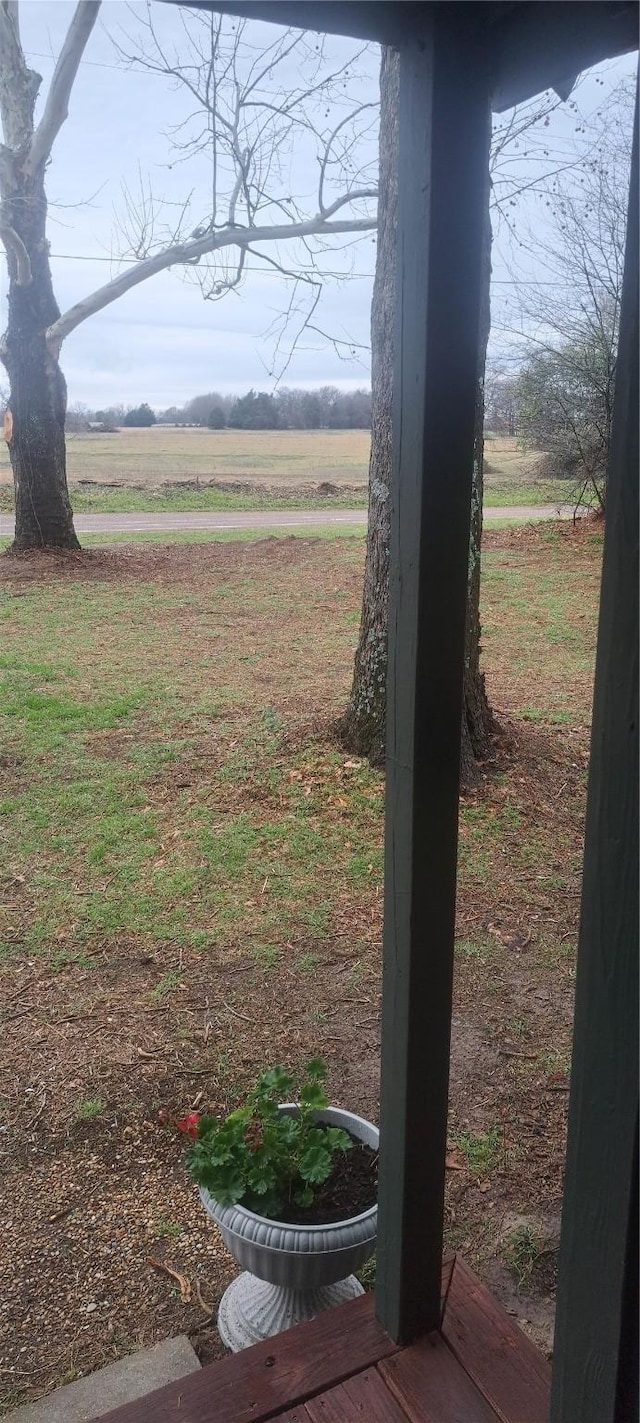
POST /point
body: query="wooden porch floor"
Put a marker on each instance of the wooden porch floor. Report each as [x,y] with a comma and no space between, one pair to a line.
[477,1368]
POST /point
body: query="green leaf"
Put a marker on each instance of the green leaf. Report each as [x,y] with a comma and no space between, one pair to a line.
[220,1155]
[262,1177]
[289,1129]
[228,1190]
[276,1081]
[315,1164]
[313,1095]
[304,1197]
[337,1139]
[316,1068]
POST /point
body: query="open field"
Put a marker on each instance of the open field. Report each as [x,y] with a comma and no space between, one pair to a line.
[172,470]
[192,888]
[266,464]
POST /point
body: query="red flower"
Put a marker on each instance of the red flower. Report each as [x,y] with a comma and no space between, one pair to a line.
[189,1123]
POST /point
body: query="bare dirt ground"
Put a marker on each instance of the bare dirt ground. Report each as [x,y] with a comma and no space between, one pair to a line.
[105,1245]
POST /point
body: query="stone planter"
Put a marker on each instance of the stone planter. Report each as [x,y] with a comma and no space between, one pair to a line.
[291,1272]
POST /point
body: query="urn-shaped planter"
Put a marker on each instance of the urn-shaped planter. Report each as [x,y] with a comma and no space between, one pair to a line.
[291,1272]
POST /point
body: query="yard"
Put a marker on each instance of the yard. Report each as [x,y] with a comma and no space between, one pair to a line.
[167,469]
[191,875]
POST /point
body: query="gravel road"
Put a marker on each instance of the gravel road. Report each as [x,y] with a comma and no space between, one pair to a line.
[255,519]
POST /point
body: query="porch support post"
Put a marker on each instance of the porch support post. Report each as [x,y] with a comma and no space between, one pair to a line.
[595,1376]
[444,134]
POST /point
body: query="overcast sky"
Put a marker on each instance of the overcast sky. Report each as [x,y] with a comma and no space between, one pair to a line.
[162,342]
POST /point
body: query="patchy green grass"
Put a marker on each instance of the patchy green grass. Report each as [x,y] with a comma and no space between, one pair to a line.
[181,499]
[526,1249]
[502,495]
[479,1149]
[537,620]
[89,1109]
[178,500]
[105,708]
[106,687]
[478,951]
[221,536]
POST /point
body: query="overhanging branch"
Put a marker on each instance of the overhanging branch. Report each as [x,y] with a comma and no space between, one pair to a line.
[183,252]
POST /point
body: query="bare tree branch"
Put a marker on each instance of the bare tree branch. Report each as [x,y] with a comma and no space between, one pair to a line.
[19,85]
[188,252]
[57,105]
[326,157]
[15,248]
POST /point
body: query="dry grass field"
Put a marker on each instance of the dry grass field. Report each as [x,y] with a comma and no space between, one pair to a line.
[171,469]
[163,455]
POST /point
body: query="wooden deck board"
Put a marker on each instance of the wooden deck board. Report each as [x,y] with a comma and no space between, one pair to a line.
[506,1367]
[270,1377]
[479,1368]
[432,1387]
[363,1399]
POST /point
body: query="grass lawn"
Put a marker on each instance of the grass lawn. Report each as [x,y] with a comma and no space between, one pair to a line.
[173,471]
[192,890]
[203,536]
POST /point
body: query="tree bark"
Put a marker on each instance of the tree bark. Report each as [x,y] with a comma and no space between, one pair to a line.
[364,724]
[363,727]
[477,718]
[38,394]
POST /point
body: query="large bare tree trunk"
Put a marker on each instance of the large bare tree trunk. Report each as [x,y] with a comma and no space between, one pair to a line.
[38,402]
[38,395]
[363,727]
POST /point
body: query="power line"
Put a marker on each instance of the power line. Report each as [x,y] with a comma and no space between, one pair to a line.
[338,276]
[99,64]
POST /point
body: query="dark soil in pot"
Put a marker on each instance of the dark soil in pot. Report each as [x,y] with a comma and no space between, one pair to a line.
[350,1190]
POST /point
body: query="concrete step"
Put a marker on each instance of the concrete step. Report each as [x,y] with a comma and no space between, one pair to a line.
[121,1382]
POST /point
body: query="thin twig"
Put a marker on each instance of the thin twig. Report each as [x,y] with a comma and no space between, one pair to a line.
[22,1014]
[183,1283]
[39,1112]
[235,1012]
[208,1308]
[60,1215]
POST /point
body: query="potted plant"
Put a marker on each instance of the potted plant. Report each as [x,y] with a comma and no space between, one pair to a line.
[292,1186]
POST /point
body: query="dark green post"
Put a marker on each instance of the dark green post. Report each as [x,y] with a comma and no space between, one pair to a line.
[595,1376]
[444,134]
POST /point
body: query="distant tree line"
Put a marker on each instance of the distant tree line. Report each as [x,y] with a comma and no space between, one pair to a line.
[79,419]
[323,409]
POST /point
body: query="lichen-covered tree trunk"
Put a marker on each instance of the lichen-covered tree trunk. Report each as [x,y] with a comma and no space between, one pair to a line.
[477,718]
[38,396]
[363,726]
